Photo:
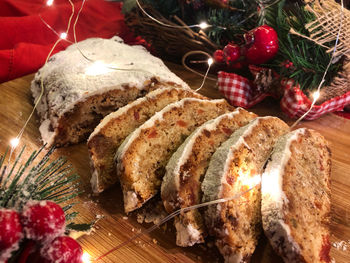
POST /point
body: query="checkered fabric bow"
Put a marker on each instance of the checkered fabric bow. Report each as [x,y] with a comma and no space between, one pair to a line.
[241,92]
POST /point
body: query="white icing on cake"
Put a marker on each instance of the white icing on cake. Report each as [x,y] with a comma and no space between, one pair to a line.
[273,197]
[215,176]
[66,82]
[130,199]
[186,235]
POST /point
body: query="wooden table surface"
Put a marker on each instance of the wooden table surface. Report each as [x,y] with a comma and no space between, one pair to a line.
[159,246]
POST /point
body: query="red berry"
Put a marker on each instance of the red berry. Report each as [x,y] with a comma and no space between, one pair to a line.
[43,220]
[232,53]
[10,232]
[219,56]
[262,44]
[62,249]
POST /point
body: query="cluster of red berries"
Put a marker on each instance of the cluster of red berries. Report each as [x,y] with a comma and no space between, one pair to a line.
[261,45]
[42,222]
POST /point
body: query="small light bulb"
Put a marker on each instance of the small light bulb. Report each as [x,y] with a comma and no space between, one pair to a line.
[63,35]
[316,95]
[49,2]
[210,61]
[98,68]
[86,258]
[14,142]
[203,25]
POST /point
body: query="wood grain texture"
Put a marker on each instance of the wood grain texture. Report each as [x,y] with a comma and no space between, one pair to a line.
[159,246]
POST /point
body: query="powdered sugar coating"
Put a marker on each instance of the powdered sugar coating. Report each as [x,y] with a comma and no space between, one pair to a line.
[62,249]
[215,177]
[43,220]
[273,197]
[10,232]
[67,81]
[187,235]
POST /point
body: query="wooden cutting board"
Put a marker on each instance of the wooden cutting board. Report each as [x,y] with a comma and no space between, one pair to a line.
[159,246]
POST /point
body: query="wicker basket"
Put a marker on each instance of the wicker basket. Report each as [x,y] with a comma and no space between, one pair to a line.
[169,43]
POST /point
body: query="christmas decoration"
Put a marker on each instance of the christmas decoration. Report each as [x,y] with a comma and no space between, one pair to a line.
[290,40]
[262,44]
[232,53]
[219,56]
[43,220]
[62,249]
[30,217]
[10,232]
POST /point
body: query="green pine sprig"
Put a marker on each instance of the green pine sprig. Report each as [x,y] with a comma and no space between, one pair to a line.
[46,180]
[309,60]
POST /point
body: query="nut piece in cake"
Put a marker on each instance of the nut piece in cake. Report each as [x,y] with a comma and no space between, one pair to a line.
[181,185]
[79,92]
[296,197]
[115,127]
[235,167]
[142,157]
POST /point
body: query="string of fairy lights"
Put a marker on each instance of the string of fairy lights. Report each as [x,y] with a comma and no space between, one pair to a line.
[99,67]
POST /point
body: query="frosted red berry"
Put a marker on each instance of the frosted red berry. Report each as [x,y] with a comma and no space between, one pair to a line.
[10,232]
[219,56]
[232,53]
[43,220]
[262,44]
[62,249]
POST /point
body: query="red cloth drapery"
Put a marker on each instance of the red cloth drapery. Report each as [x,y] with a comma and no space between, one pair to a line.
[25,40]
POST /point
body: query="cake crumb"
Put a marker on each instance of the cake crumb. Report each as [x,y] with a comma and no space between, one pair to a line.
[341,245]
[125,217]
[155,241]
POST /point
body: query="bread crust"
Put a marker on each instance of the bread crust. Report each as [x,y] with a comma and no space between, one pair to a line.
[296,197]
[235,167]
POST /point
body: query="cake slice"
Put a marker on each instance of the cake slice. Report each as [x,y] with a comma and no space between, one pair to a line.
[185,170]
[142,157]
[115,127]
[296,197]
[78,92]
[235,167]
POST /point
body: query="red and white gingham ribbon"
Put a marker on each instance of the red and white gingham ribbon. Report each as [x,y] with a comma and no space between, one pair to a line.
[241,92]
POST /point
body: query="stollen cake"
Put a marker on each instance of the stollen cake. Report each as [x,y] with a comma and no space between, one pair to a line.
[142,157]
[185,170]
[235,167]
[115,127]
[296,197]
[89,80]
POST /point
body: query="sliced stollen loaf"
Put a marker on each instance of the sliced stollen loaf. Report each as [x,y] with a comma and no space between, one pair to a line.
[185,170]
[78,93]
[296,197]
[235,167]
[142,157]
[115,127]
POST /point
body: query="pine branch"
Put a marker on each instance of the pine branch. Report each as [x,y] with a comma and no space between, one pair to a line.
[309,59]
[46,180]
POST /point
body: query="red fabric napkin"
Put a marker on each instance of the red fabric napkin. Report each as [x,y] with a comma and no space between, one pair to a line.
[25,40]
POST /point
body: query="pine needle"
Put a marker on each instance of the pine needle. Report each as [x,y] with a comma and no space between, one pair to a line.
[45,180]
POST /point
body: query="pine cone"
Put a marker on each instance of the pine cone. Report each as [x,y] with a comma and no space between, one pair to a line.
[266,82]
